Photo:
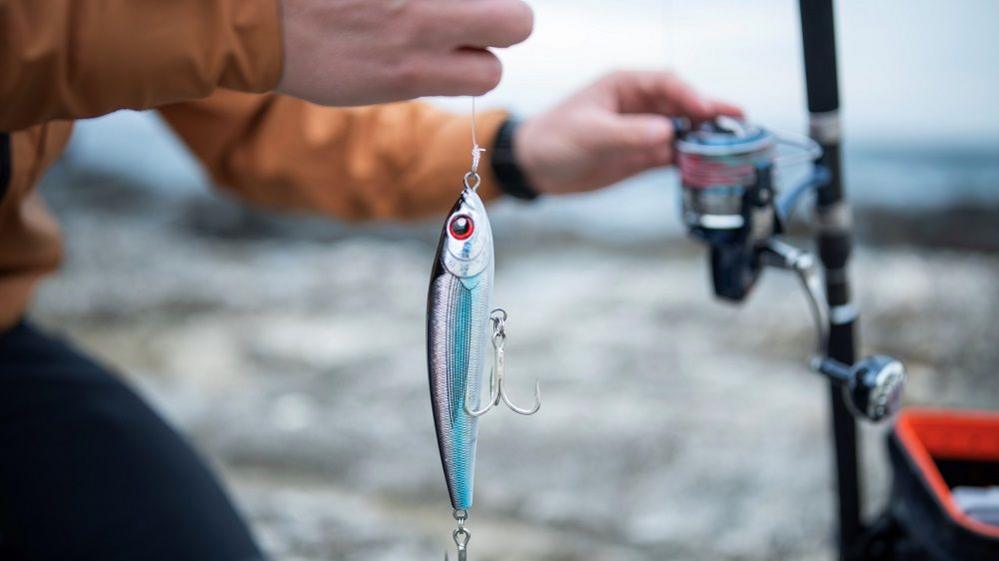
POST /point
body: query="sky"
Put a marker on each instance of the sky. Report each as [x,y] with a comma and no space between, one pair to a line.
[909,68]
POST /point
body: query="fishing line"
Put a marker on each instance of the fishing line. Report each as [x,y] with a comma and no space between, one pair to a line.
[730,154]
[724,160]
[472,179]
[723,154]
[809,150]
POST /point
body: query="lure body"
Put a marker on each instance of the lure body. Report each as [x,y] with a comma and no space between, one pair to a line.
[458,326]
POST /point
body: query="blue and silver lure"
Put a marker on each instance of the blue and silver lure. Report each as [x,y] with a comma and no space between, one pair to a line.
[458,326]
[463,333]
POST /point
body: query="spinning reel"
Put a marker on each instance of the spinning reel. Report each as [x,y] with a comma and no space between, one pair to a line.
[728,170]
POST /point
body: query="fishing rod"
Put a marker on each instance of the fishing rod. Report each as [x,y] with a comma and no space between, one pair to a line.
[943,504]
[834,242]
[730,200]
[731,203]
[924,520]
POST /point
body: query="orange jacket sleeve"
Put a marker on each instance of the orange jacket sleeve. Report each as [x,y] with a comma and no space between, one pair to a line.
[62,59]
[385,161]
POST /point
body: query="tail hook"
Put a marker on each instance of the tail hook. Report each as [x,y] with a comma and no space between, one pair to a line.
[497,382]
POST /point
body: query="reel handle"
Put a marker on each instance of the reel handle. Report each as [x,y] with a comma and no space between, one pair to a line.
[873,386]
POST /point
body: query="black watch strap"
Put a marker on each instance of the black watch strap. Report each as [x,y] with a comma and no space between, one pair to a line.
[504,162]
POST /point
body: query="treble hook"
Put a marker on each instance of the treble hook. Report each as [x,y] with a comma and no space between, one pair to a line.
[497,385]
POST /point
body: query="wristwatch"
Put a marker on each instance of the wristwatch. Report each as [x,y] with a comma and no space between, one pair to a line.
[511,178]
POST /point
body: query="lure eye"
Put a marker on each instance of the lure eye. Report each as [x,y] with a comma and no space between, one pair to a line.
[461,227]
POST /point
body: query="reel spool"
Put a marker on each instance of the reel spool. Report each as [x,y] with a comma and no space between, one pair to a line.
[720,163]
[727,178]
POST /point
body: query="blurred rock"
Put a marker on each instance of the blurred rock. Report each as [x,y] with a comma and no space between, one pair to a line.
[674,427]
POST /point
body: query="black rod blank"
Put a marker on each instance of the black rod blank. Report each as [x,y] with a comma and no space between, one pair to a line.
[834,244]
[819,35]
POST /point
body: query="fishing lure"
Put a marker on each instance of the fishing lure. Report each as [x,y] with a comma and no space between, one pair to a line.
[461,324]
[458,316]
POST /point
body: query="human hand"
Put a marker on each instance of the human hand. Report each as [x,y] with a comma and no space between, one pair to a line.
[359,52]
[610,130]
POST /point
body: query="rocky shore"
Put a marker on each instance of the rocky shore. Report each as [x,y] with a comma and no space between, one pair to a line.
[673,427]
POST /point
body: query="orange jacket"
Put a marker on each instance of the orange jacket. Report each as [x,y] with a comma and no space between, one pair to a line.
[203,64]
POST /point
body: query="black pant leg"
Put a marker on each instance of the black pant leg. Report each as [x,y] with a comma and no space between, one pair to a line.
[89,472]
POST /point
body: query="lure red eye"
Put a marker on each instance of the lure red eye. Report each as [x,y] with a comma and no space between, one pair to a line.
[461,227]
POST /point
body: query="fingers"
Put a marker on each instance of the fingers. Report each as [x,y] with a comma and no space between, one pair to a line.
[635,143]
[666,94]
[455,60]
[725,108]
[483,23]
[667,91]
[632,133]
[463,72]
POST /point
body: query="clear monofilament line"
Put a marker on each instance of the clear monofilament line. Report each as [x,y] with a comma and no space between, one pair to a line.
[476,149]
[472,179]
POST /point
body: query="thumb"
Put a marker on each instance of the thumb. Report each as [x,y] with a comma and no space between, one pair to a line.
[630,133]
